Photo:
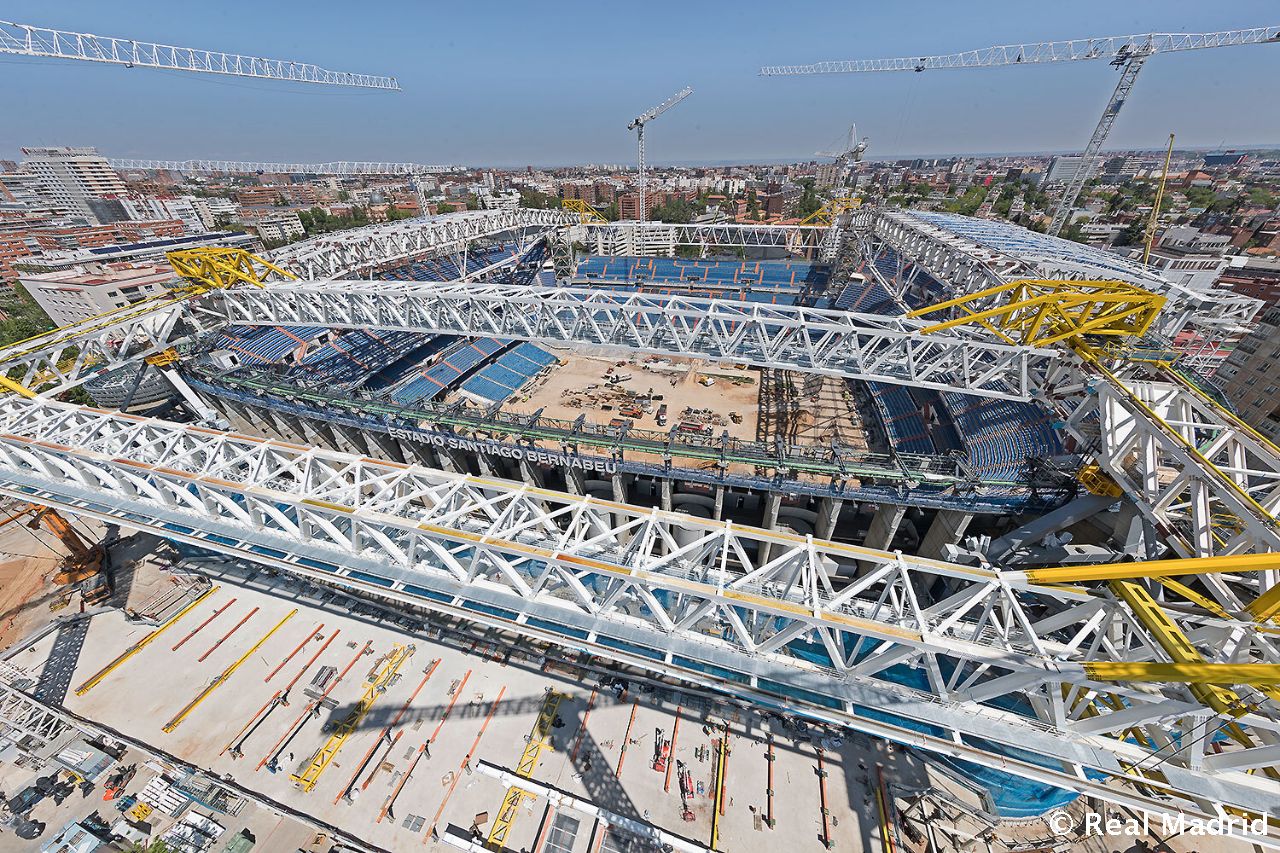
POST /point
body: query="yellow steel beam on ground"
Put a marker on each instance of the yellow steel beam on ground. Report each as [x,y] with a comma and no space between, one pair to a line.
[97,677]
[1038,312]
[538,740]
[1252,674]
[827,214]
[717,806]
[218,267]
[223,676]
[375,686]
[586,213]
[1231,563]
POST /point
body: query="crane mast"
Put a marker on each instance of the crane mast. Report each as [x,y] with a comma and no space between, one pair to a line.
[637,124]
[28,40]
[1128,53]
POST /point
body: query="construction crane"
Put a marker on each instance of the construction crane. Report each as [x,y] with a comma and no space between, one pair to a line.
[1155,207]
[850,151]
[28,40]
[83,562]
[637,124]
[1127,53]
[341,168]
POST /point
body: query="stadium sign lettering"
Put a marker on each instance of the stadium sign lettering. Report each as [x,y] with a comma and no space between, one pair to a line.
[506,451]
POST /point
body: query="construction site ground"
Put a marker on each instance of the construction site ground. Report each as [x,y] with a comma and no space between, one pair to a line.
[469,703]
[771,406]
[571,379]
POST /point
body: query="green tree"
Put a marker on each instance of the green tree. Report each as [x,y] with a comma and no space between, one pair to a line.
[1262,197]
[676,210]
[1132,234]
[809,202]
[24,318]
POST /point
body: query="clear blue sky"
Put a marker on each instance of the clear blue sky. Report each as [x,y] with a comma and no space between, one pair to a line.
[512,82]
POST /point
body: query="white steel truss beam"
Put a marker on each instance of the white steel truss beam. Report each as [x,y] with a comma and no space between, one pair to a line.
[360,250]
[861,346]
[608,237]
[1039,53]
[333,167]
[685,596]
[947,257]
[66,357]
[28,40]
[27,718]
[1207,481]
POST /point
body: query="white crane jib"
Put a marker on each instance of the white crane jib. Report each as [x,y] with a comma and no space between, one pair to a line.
[28,40]
[1128,53]
[849,151]
[637,124]
[851,148]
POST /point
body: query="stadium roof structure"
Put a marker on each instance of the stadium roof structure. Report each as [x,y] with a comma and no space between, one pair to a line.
[1005,252]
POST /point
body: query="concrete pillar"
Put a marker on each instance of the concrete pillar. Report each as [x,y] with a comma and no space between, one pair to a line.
[487,468]
[236,414]
[450,461]
[531,473]
[415,453]
[250,420]
[664,497]
[769,521]
[828,514]
[718,514]
[275,423]
[326,434]
[349,439]
[293,427]
[947,528]
[384,445]
[310,435]
[884,525]
[620,496]
[574,482]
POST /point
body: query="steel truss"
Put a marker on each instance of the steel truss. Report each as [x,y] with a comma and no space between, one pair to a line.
[1035,53]
[26,40]
[27,718]
[947,257]
[1208,482]
[791,237]
[816,627]
[333,167]
[360,250]
[860,346]
[66,357]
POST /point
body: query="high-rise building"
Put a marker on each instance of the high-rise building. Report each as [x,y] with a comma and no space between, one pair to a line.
[74,178]
[1248,376]
[1063,170]
[70,296]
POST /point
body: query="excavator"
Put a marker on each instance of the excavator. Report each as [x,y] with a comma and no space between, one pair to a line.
[83,565]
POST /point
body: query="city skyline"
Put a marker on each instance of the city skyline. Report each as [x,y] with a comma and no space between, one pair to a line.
[535,89]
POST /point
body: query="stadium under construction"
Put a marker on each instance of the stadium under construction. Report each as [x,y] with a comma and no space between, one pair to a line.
[936,481]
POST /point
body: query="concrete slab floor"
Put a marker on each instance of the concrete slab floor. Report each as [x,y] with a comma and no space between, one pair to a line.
[403,766]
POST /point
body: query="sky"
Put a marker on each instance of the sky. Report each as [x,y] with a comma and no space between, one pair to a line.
[510,83]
